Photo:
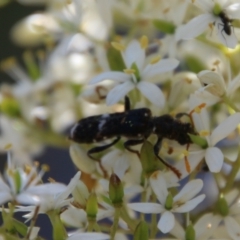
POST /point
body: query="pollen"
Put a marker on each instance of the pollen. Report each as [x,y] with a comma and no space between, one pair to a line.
[155,59]
[45,168]
[188,80]
[144,42]
[185,153]
[8,63]
[165,145]
[129,71]
[154,175]
[118,46]
[204,133]
[8,146]
[199,108]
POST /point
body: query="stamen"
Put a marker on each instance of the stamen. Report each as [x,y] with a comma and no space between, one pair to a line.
[118,46]
[188,80]
[129,71]
[7,147]
[144,42]
[155,60]
[8,63]
[204,133]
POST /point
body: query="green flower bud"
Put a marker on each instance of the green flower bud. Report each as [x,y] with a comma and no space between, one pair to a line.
[141,231]
[136,73]
[92,206]
[217,9]
[59,231]
[148,159]
[202,142]
[164,26]
[116,190]
[190,233]
[222,206]
[10,107]
[169,201]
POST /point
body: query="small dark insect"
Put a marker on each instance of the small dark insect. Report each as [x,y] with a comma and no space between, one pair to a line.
[226,23]
[136,125]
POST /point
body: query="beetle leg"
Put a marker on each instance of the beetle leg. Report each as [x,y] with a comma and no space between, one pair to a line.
[101,148]
[127,105]
[156,149]
[130,143]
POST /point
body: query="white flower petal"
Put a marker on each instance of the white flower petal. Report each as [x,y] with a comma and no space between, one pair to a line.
[121,165]
[5,197]
[205,5]
[134,54]
[189,190]
[190,205]
[178,231]
[209,77]
[233,11]
[166,222]
[233,85]
[196,26]
[113,75]
[164,65]
[214,159]
[119,92]
[205,226]
[153,93]
[159,186]
[146,207]
[88,236]
[225,128]
[233,227]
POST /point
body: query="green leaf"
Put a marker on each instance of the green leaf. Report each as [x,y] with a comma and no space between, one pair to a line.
[115,59]
[141,232]
[194,64]
[164,26]
[202,142]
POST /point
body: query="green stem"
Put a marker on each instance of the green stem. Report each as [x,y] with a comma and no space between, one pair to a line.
[131,223]
[115,222]
[91,224]
[59,232]
[231,177]
[153,226]
[230,103]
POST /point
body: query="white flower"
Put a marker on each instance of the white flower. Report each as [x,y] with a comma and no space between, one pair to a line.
[137,74]
[213,18]
[213,155]
[181,203]
[204,228]
[88,236]
[216,86]
[51,200]
[230,220]
[20,184]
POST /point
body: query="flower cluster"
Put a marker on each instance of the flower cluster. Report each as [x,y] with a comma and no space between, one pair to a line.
[148,93]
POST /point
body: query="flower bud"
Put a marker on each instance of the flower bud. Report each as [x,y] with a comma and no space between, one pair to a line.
[148,159]
[222,206]
[116,190]
[169,202]
[190,233]
[141,231]
[10,107]
[80,193]
[92,206]
[200,141]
